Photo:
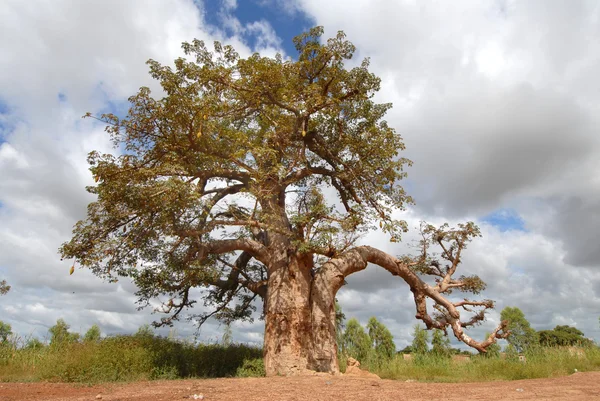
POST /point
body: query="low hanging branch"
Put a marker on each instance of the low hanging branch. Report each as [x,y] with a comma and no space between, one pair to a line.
[452,242]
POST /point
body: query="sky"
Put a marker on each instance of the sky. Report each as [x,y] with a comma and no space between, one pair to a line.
[497,101]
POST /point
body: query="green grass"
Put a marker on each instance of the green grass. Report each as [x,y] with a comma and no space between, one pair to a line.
[540,363]
[127,358]
[147,357]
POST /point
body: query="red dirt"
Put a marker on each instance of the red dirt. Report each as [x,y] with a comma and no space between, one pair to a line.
[579,386]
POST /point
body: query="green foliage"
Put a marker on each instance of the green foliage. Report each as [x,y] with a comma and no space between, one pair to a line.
[419,344]
[145,331]
[381,339]
[5,331]
[93,334]
[227,338]
[223,129]
[563,336]
[541,363]
[33,344]
[522,336]
[511,352]
[127,358]
[440,344]
[131,358]
[339,325]
[59,334]
[4,288]
[251,368]
[356,343]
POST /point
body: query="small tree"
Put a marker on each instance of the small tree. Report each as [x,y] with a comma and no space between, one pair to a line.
[227,338]
[34,343]
[381,339]
[59,333]
[441,344]
[5,331]
[339,325]
[145,331]
[4,288]
[420,339]
[93,334]
[522,336]
[357,343]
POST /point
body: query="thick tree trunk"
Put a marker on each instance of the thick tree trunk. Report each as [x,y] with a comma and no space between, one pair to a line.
[288,339]
[300,320]
[324,353]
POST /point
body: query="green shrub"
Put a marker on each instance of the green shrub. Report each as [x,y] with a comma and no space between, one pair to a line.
[123,358]
[251,368]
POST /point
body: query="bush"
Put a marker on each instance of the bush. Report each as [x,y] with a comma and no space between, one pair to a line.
[251,368]
[126,358]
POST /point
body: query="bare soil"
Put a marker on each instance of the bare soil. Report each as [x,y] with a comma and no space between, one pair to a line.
[579,386]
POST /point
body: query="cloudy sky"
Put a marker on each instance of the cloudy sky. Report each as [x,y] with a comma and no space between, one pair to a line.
[498,103]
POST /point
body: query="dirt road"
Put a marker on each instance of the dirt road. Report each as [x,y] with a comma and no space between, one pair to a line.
[579,386]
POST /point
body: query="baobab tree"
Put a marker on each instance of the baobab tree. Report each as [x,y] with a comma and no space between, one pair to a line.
[225,183]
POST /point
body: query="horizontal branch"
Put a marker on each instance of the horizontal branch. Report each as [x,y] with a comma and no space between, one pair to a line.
[357,259]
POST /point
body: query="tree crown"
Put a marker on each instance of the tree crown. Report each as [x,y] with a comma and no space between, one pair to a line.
[240,149]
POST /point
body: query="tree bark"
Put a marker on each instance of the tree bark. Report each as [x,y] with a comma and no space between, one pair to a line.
[288,342]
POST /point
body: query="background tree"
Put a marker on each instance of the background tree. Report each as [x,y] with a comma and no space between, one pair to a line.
[220,186]
[34,343]
[144,331]
[227,338]
[4,288]
[5,331]
[522,336]
[563,336]
[420,341]
[340,318]
[440,344]
[381,339]
[511,352]
[356,342]
[59,333]
[93,334]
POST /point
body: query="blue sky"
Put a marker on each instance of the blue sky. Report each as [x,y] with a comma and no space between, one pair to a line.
[287,23]
[505,220]
[499,115]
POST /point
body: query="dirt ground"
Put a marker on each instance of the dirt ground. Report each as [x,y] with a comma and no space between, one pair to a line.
[579,386]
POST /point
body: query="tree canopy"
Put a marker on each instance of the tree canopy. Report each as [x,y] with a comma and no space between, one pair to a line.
[563,336]
[522,336]
[420,340]
[381,338]
[356,342]
[4,288]
[59,333]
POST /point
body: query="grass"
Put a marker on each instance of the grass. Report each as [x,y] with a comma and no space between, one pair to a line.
[148,357]
[541,363]
[127,358]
